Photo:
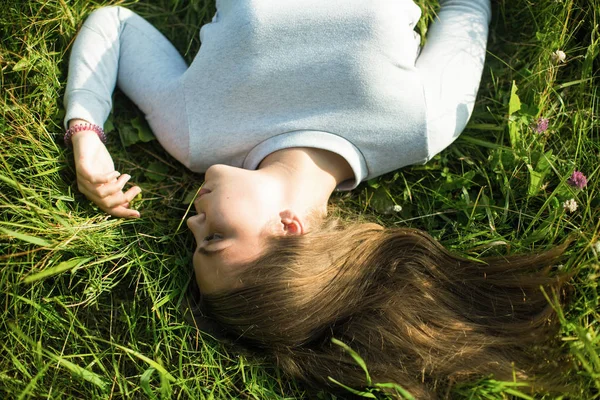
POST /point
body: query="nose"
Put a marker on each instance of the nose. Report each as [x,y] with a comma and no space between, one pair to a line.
[195,221]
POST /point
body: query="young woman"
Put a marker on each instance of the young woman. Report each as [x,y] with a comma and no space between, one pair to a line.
[285,103]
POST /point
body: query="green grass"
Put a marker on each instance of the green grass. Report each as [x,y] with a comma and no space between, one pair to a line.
[91,306]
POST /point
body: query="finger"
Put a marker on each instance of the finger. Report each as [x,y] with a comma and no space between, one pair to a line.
[120,198]
[112,187]
[132,192]
[84,190]
[105,203]
[90,189]
[100,192]
[123,212]
[93,197]
[97,179]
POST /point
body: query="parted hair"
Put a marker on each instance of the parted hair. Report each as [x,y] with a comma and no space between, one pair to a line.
[417,314]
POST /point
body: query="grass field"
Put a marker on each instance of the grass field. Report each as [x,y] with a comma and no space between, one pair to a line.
[91,305]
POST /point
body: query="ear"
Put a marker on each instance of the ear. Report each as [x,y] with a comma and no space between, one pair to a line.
[292,224]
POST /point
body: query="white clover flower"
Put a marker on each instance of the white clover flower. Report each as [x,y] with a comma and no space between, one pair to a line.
[392,209]
[570,205]
[559,57]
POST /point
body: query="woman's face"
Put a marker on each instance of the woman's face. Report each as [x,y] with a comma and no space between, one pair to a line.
[237,210]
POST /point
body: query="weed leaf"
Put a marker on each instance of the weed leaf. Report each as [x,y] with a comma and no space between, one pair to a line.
[367,395]
[62,267]
[27,238]
[355,356]
[514,105]
[145,382]
[403,392]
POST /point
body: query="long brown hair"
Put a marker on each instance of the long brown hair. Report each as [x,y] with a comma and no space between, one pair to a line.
[419,315]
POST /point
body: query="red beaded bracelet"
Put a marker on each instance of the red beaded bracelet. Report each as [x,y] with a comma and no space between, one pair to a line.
[84,127]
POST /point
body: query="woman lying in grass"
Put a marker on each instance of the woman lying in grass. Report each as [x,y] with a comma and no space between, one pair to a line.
[285,103]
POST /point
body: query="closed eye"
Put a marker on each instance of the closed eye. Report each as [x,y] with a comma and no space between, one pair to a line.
[209,253]
[213,236]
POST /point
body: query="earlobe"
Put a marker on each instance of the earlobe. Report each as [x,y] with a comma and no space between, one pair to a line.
[292,225]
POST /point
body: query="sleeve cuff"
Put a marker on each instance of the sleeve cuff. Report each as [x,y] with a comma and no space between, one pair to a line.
[81,104]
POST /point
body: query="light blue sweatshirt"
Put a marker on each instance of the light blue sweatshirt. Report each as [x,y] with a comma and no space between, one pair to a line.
[341,75]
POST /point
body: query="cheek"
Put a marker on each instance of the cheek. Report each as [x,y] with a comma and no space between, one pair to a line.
[203,275]
[231,214]
[196,265]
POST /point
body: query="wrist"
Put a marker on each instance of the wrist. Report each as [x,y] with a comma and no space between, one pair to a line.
[80,129]
[85,136]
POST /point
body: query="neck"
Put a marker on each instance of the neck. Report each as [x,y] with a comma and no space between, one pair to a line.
[307,176]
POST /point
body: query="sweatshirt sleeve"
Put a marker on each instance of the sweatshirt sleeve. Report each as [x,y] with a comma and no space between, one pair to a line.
[117,46]
[93,68]
[451,65]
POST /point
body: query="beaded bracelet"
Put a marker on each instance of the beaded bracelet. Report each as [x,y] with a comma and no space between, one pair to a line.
[84,127]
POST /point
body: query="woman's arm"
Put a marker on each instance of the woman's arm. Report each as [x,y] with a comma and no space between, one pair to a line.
[116,46]
[451,64]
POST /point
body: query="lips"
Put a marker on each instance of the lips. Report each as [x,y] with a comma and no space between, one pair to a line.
[202,192]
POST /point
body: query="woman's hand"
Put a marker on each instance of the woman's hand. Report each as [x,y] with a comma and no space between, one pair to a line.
[97,178]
